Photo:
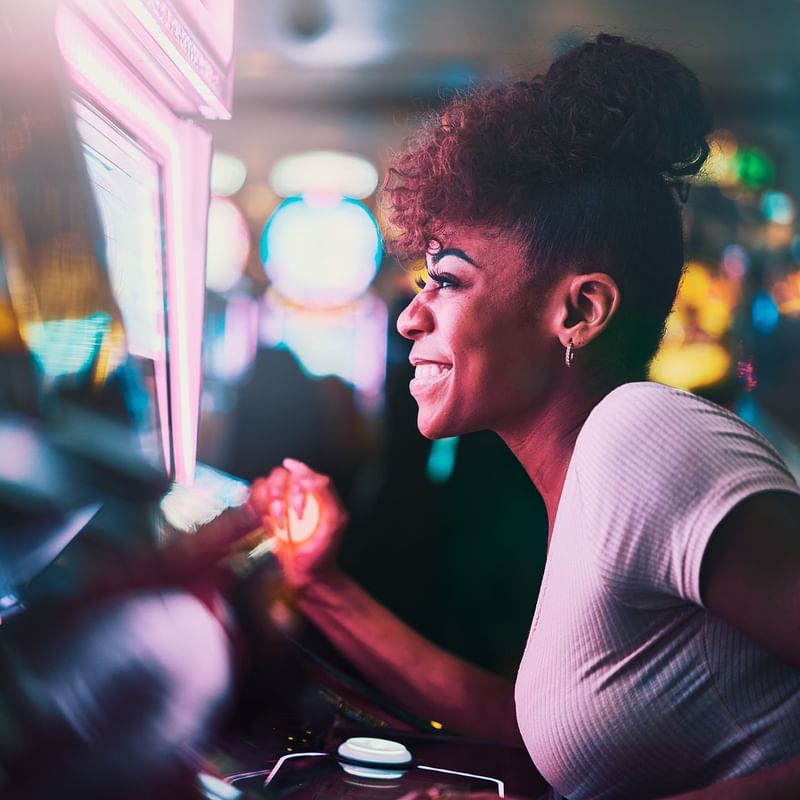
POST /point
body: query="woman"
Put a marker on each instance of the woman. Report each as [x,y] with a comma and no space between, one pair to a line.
[664,652]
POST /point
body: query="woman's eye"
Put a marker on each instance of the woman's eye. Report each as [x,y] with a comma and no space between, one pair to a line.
[443,281]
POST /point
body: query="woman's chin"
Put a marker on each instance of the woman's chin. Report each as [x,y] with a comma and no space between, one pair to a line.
[437,428]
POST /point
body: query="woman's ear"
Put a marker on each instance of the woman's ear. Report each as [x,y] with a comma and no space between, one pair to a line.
[590,302]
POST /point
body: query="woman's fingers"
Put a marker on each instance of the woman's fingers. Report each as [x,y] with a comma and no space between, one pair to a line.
[302,470]
[304,480]
[270,494]
[297,496]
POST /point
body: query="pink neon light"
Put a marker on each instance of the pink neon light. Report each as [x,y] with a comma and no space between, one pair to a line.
[215,18]
[185,152]
[150,24]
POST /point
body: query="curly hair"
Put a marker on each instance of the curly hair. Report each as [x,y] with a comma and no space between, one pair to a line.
[579,163]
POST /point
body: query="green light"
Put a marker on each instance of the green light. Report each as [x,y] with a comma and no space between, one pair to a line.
[753,168]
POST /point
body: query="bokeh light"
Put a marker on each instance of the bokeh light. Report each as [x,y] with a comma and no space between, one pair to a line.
[442,459]
[787,294]
[321,252]
[228,174]
[691,366]
[694,353]
[324,171]
[228,245]
[778,207]
[735,261]
[764,313]
[753,168]
[719,167]
[348,342]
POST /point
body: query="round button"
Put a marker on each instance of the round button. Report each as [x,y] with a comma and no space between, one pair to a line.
[369,750]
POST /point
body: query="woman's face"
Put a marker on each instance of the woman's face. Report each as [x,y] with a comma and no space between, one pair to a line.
[481,349]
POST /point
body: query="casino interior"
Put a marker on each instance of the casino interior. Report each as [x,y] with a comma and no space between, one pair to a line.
[194,287]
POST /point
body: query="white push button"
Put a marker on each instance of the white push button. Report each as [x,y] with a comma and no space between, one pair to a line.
[374,751]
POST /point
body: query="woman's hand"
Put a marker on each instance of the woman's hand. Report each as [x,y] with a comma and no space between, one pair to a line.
[302,509]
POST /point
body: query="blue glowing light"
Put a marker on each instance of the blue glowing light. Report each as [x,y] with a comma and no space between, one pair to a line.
[765,314]
[323,251]
[442,459]
[778,207]
[67,346]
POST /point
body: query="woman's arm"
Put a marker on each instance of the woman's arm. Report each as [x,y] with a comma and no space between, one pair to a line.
[425,679]
[751,578]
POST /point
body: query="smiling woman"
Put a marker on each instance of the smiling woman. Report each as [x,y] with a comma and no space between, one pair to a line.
[474,307]
[664,655]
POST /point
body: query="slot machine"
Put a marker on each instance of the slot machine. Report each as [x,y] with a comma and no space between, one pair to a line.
[105,176]
[104,190]
[144,74]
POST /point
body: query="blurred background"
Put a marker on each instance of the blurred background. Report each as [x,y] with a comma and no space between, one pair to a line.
[300,352]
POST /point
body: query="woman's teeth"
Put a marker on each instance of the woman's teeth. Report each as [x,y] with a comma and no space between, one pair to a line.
[430,370]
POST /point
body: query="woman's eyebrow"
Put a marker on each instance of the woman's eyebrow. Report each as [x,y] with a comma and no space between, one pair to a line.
[452,251]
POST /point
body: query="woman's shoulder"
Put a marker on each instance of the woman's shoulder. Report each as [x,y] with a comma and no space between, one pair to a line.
[647,411]
[649,424]
[645,398]
[657,469]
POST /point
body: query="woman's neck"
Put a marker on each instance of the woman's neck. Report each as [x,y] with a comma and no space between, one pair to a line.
[545,443]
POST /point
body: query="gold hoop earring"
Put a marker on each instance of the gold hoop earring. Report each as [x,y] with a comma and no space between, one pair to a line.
[569,354]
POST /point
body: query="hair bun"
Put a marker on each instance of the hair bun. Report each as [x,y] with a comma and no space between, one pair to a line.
[611,101]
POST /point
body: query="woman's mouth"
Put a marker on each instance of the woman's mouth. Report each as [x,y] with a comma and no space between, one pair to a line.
[428,374]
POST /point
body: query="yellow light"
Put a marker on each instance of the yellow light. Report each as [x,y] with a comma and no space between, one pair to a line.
[10,339]
[690,366]
[718,168]
[790,308]
[416,276]
[715,316]
[695,286]
[437,725]
[787,294]
[674,330]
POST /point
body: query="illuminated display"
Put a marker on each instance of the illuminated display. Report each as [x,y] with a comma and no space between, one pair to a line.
[67,346]
[182,150]
[126,182]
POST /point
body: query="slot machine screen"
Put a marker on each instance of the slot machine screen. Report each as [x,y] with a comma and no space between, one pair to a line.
[127,184]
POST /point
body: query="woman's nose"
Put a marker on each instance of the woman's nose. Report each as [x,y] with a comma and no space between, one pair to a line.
[415,319]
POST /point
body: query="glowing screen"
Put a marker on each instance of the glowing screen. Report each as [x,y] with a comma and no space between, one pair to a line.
[126,183]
